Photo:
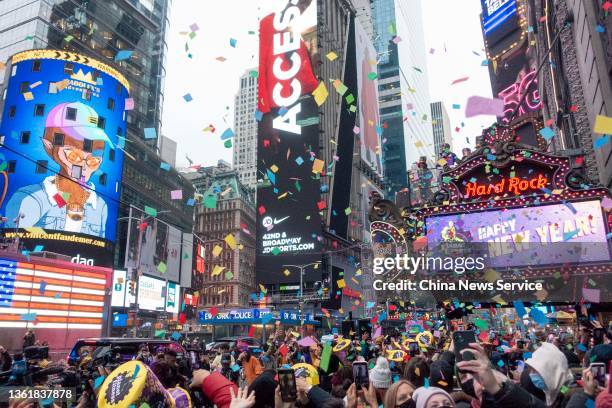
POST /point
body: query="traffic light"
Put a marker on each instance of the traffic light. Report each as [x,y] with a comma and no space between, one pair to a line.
[132,288]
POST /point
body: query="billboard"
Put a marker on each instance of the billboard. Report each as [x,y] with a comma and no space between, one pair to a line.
[151,293]
[48,297]
[62,124]
[119,286]
[238,316]
[548,234]
[153,246]
[173,297]
[288,197]
[369,120]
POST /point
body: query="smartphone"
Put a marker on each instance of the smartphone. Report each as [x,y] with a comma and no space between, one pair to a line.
[360,375]
[598,335]
[520,344]
[286,380]
[599,373]
[462,340]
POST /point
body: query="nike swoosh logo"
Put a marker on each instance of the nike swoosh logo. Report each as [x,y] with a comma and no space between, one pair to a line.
[281,220]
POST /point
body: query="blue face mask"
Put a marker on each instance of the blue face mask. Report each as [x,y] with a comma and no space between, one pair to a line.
[537,381]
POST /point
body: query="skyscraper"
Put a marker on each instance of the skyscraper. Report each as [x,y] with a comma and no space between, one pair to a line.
[245,127]
[440,123]
[403,86]
[101,29]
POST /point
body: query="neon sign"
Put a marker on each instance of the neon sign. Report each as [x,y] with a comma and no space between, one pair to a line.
[512,185]
[513,94]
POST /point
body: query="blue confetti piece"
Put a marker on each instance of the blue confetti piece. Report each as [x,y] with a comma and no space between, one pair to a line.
[519,306]
[191,202]
[28,317]
[547,133]
[590,403]
[500,363]
[299,161]
[38,248]
[42,286]
[491,157]
[227,134]
[258,115]
[426,382]
[282,111]
[150,133]
[123,55]
[164,166]
[235,368]
[136,371]
[233,42]
[187,97]
[538,316]
[601,142]
[98,382]
[271,176]
[175,336]
[600,29]
[456,106]
[609,236]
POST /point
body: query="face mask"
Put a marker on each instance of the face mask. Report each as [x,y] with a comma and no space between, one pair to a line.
[408,404]
[468,387]
[537,381]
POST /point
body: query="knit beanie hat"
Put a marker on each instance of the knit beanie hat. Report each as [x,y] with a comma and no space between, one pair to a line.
[422,395]
[603,400]
[441,375]
[380,375]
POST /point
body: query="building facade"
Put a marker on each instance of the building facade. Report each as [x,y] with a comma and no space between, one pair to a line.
[576,84]
[440,123]
[403,87]
[245,128]
[228,276]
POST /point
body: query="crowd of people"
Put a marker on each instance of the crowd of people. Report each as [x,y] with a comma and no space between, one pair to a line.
[543,370]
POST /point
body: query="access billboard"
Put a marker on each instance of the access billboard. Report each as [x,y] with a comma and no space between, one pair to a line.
[288,196]
[62,123]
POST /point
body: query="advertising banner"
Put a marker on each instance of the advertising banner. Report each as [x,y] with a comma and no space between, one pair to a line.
[239,316]
[369,121]
[63,123]
[173,298]
[119,287]
[153,246]
[151,293]
[548,234]
[288,200]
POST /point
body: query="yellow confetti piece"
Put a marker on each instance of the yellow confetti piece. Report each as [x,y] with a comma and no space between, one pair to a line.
[603,125]
[286,272]
[263,289]
[317,166]
[418,144]
[358,272]
[442,162]
[341,283]
[332,56]
[217,250]
[280,197]
[320,94]
[230,241]
[28,96]
[36,231]
[274,168]
[217,270]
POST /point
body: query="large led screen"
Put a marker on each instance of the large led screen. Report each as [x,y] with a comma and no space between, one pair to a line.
[62,124]
[369,120]
[549,234]
[288,194]
[151,293]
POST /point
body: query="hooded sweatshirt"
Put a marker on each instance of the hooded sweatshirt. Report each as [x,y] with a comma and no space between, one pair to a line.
[551,364]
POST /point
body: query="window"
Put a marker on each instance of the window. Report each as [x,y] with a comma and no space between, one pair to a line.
[71,113]
[58,139]
[12,111]
[24,87]
[69,68]
[39,110]
[111,155]
[87,145]
[119,131]
[41,166]
[101,122]
[102,179]
[36,66]
[11,166]
[25,137]
[110,104]
[95,75]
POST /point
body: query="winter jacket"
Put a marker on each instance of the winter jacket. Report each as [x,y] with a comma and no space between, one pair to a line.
[579,400]
[512,395]
[317,397]
[217,389]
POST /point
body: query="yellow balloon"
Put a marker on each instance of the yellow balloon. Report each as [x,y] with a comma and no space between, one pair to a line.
[341,345]
[396,355]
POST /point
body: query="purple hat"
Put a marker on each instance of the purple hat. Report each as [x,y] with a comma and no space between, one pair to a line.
[84,125]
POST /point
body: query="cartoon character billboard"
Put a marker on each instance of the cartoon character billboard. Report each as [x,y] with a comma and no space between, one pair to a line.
[62,126]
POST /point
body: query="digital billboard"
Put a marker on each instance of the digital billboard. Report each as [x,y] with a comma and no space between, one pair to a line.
[151,293]
[62,124]
[288,194]
[369,120]
[173,297]
[548,234]
[153,246]
[119,286]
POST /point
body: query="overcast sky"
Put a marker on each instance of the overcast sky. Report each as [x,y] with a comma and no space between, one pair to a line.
[213,84]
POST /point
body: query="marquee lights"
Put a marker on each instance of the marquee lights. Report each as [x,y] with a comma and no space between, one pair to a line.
[523,27]
[512,185]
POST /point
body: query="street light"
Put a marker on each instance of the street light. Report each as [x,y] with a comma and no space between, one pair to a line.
[301,301]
